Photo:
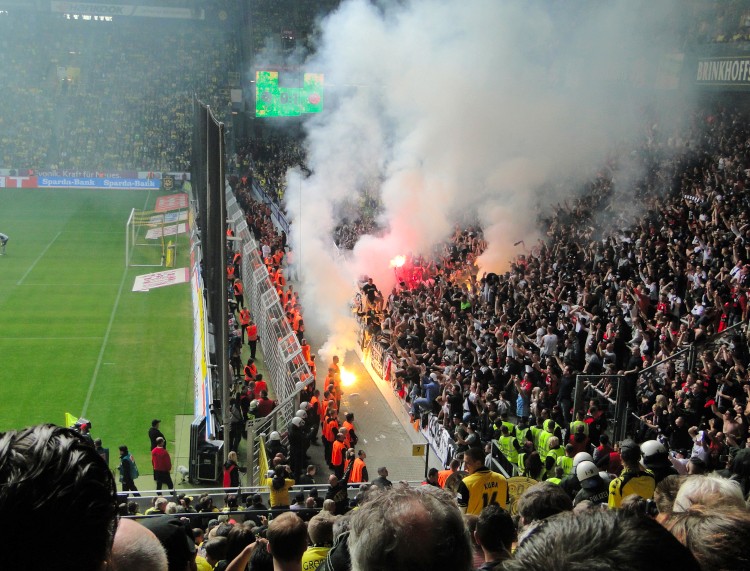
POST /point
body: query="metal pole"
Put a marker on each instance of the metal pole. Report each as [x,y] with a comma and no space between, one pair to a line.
[251,461]
[426,460]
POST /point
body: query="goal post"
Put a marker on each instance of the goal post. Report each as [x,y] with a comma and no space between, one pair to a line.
[145,244]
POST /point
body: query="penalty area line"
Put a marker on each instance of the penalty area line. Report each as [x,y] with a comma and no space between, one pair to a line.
[31,268]
[100,359]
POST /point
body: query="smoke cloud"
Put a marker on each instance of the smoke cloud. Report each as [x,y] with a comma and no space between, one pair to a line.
[462,108]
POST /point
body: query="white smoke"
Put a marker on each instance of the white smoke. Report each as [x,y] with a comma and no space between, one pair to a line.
[461,106]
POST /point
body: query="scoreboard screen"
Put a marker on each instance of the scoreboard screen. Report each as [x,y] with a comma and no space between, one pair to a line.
[287,94]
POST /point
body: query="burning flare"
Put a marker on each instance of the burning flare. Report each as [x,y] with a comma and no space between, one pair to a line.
[398,261]
[347,377]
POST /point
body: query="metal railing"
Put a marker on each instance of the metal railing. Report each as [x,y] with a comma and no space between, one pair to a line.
[287,369]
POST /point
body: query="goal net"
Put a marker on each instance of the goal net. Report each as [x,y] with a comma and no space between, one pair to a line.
[145,244]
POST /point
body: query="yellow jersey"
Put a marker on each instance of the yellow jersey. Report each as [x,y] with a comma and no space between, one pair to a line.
[482,488]
[640,483]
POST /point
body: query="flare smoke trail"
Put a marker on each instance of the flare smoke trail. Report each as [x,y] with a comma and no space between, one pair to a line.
[461,107]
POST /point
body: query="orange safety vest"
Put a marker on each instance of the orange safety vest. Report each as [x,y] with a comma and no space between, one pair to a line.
[252,332]
[250,372]
[244,317]
[355,476]
[337,453]
[329,429]
[349,429]
[237,285]
[443,476]
[230,272]
[306,353]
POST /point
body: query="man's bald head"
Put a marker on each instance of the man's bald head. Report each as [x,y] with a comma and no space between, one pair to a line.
[137,548]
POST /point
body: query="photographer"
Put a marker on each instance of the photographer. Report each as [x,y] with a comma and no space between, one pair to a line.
[278,487]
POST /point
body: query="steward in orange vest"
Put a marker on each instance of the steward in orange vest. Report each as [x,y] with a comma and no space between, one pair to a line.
[338,450]
[239,292]
[252,338]
[359,469]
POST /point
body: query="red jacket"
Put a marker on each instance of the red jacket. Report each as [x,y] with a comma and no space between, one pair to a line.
[160,459]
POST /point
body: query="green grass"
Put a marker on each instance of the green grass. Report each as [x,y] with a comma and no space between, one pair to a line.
[73,336]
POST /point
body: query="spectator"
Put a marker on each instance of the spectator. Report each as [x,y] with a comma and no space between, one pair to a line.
[481,487]
[715,537]
[137,549]
[320,532]
[337,492]
[128,471]
[52,473]
[279,487]
[404,529]
[287,542]
[568,541]
[495,534]
[632,480]
[231,471]
[162,463]
[709,491]
[382,480]
[177,538]
[154,433]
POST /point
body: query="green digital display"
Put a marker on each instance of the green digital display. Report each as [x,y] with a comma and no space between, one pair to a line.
[290,95]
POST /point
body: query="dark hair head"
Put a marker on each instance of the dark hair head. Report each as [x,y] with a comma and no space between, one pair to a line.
[239,537]
[51,474]
[216,548]
[599,540]
[495,529]
[543,500]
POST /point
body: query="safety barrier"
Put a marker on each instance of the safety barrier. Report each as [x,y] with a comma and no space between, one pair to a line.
[287,369]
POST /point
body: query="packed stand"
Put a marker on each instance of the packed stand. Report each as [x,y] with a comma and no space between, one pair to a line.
[694,523]
[103,95]
[495,358]
[267,160]
[720,22]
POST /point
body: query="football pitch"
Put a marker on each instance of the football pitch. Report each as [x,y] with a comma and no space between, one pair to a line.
[73,336]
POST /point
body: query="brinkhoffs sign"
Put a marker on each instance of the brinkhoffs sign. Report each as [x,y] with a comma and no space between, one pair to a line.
[726,71]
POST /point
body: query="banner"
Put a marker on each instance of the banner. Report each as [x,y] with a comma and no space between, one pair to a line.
[171,202]
[91,9]
[179,177]
[201,374]
[172,230]
[96,183]
[147,282]
[18,182]
[440,439]
[723,71]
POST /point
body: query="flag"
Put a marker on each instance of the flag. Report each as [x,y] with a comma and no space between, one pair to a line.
[70,419]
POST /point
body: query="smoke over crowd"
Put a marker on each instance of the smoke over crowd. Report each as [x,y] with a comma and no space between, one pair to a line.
[463,110]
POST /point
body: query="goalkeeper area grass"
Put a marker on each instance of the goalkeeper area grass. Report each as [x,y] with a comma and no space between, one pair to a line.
[73,336]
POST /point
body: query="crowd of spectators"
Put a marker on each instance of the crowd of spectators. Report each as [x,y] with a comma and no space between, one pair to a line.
[70,104]
[695,522]
[267,160]
[286,25]
[596,299]
[495,358]
[719,22]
